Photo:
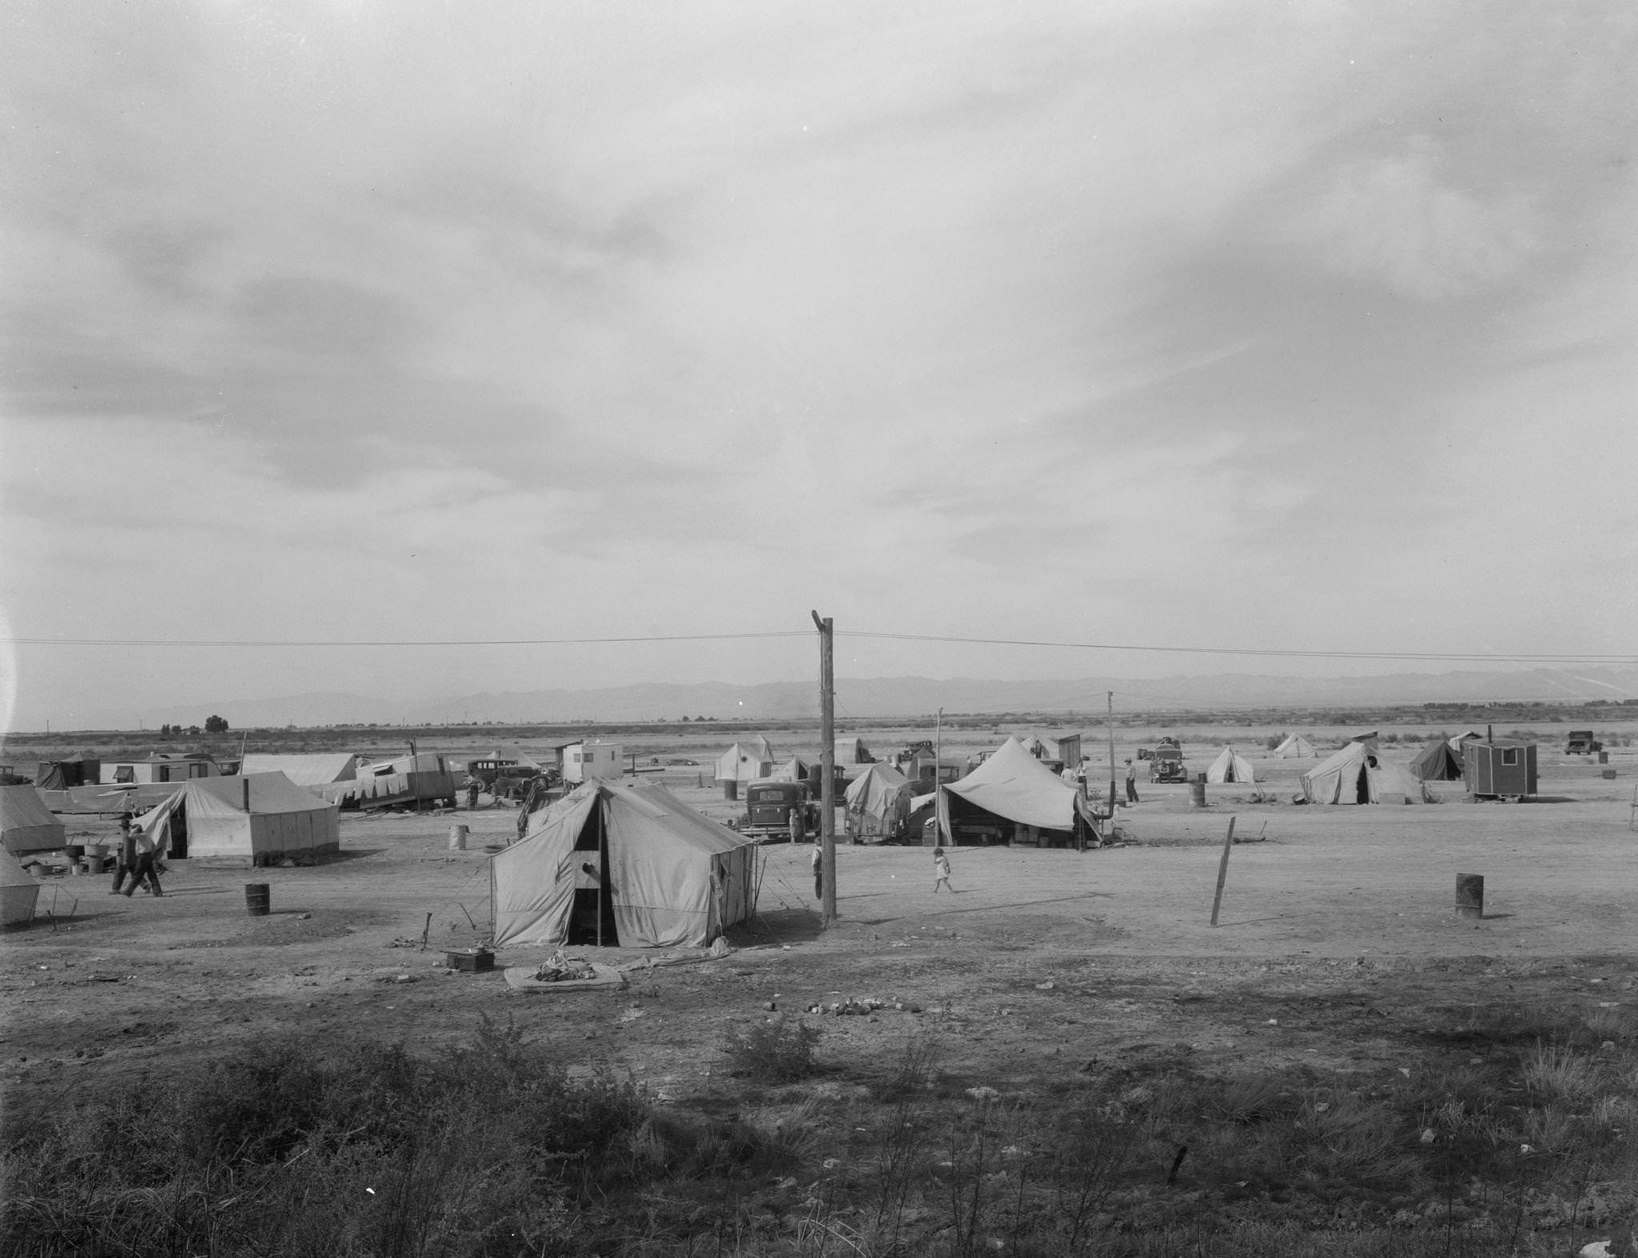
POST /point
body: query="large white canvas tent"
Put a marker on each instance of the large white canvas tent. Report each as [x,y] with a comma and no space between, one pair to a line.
[18,891]
[1357,775]
[622,866]
[1230,766]
[1010,790]
[878,803]
[252,817]
[1296,747]
[26,824]
[748,760]
[304,770]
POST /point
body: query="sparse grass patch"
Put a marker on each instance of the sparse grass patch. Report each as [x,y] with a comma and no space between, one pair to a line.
[773,1051]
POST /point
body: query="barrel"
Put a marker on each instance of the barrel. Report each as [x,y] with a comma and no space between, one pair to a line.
[1470,895]
[1197,794]
[256,899]
[457,838]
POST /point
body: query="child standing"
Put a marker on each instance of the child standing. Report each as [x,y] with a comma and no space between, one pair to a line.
[941,870]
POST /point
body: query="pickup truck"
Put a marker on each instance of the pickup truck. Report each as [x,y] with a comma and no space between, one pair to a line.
[1582,743]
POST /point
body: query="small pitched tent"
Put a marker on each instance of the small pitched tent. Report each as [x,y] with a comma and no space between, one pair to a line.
[851,750]
[748,760]
[251,817]
[1011,794]
[1230,766]
[1437,763]
[1357,775]
[18,891]
[26,824]
[1466,736]
[622,866]
[1296,747]
[796,769]
[878,803]
[307,770]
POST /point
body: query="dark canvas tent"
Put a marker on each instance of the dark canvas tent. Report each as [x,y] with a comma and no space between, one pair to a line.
[622,866]
[1011,796]
[878,804]
[254,817]
[1437,763]
[1357,775]
[26,824]
[1230,766]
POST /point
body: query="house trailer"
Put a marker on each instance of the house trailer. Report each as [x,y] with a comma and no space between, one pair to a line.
[1495,769]
[592,758]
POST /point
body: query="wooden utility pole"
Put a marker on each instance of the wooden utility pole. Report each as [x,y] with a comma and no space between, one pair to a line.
[1111,726]
[827,759]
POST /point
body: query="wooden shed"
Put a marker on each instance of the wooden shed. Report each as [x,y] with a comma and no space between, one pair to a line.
[1495,769]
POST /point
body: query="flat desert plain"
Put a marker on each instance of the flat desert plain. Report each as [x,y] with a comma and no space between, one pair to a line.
[1337,941]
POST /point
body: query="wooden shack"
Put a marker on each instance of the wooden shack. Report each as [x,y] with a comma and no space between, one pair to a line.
[1496,769]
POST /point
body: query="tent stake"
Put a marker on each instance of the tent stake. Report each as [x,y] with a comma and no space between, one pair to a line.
[1222,871]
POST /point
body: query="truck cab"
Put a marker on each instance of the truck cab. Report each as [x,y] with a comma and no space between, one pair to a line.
[1582,743]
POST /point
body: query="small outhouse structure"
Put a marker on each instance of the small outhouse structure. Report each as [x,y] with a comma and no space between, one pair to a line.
[1494,769]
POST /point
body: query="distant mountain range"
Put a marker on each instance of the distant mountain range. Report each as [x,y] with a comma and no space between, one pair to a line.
[920,696]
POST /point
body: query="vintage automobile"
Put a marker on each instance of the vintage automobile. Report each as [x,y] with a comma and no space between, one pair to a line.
[768,805]
[1166,762]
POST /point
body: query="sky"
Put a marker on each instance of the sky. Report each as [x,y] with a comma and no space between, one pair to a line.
[1285,327]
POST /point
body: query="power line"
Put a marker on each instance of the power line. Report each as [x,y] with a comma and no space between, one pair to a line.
[1553,657]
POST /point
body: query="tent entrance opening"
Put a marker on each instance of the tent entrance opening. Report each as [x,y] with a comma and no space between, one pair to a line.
[591,921]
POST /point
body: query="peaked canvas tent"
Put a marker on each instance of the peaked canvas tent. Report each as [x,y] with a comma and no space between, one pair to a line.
[1296,747]
[624,866]
[1466,736]
[748,760]
[1437,763]
[1357,775]
[251,817]
[1010,790]
[18,891]
[878,803]
[1230,766]
[305,770]
[26,824]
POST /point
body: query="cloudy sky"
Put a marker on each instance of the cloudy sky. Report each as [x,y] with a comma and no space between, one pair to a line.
[1302,327]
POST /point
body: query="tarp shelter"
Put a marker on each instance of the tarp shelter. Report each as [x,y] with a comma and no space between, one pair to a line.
[748,760]
[1296,747]
[852,751]
[1466,736]
[59,775]
[1011,795]
[252,817]
[1230,766]
[1357,775]
[878,804]
[422,778]
[622,866]
[1437,763]
[26,824]
[18,891]
[305,770]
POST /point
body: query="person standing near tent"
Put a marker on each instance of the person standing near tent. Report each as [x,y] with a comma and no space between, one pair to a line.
[818,862]
[1131,783]
[941,871]
[143,868]
[124,855]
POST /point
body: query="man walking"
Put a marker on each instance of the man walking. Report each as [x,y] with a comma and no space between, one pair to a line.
[144,866]
[1131,783]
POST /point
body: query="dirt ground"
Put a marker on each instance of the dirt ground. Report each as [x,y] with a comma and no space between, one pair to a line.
[1337,931]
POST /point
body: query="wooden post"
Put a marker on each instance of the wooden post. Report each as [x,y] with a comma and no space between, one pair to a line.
[1222,871]
[827,787]
[1111,726]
